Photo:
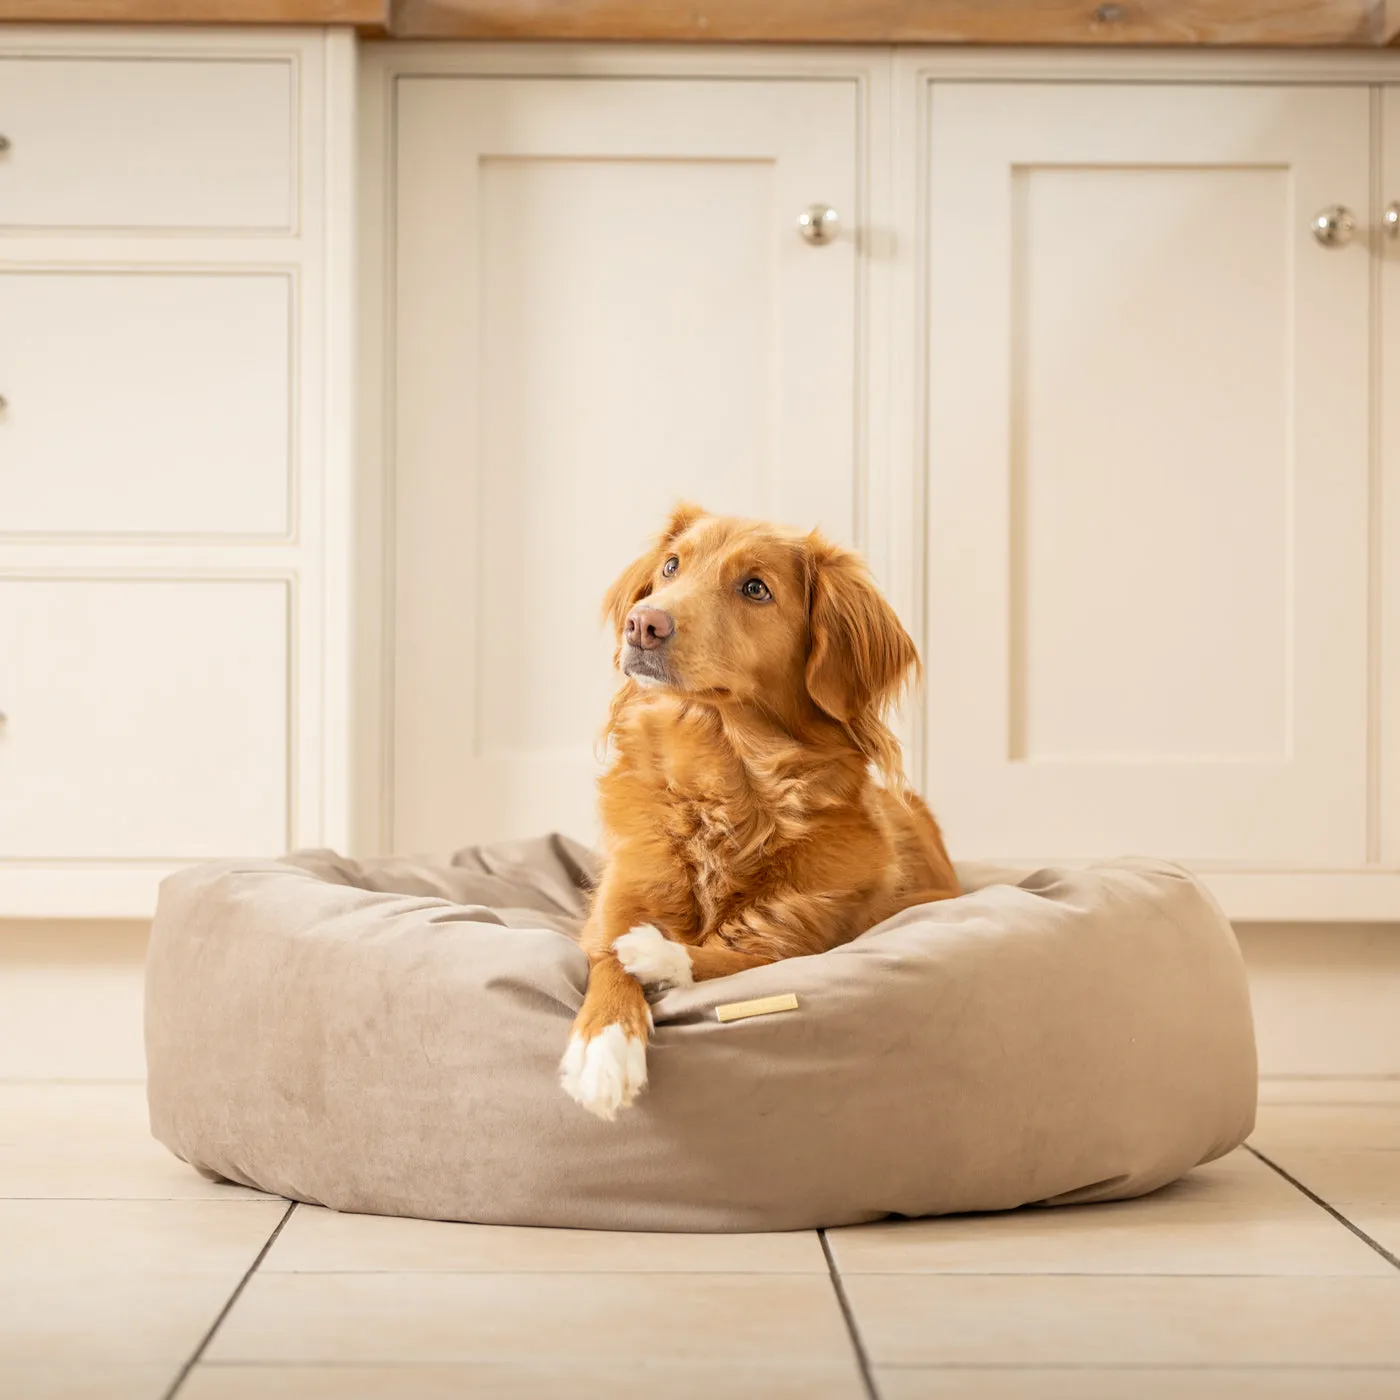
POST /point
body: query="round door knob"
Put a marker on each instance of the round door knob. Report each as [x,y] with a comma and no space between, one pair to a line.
[1334,226]
[1390,220]
[818,223]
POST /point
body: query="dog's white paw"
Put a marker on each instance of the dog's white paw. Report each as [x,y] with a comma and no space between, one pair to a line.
[653,959]
[605,1072]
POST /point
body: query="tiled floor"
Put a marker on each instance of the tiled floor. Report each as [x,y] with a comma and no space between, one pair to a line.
[125,1276]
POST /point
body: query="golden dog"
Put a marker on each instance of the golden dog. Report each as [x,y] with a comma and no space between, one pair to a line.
[755,806]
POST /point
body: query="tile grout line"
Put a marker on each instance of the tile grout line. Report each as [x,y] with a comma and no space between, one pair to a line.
[1331,1210]
[982,1367]
[858,1345]
[224,1311]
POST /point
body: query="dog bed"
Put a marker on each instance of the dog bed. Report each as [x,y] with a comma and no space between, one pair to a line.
[383,1036]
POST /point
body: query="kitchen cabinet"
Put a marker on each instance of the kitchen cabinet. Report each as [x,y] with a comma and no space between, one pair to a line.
[1105,409]
[175,441]
[1069,362]
[1157,556]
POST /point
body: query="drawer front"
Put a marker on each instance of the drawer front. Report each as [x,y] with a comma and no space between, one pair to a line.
[139,403]
[147,143]
[144,718]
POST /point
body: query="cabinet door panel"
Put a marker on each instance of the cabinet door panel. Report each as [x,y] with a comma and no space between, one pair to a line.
[1148,472]
[602,305]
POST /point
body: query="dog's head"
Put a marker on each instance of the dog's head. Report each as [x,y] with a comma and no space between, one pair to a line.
[734,610]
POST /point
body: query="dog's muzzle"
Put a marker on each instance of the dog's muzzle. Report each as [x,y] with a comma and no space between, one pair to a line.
[646,665]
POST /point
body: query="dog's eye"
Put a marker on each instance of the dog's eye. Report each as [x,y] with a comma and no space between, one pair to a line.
[670,566]
[756,589]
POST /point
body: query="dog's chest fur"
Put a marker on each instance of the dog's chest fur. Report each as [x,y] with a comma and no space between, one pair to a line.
[720,860]
[732,819]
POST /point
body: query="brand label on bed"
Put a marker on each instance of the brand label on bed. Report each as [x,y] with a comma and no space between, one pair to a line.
[763,1006]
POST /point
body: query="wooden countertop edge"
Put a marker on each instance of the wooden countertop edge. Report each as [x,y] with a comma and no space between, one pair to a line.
[1235,23]
[371,16]
[1110,23]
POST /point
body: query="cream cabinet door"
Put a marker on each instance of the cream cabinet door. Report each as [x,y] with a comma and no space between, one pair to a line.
[601,303]
[1147,457]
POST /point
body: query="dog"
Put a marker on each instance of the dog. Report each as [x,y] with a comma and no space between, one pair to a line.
[755,806]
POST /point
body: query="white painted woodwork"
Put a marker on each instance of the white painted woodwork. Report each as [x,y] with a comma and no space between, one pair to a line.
[145,403]
[110,140]
[1385,533]
[145,718]
[1148,472]
[176,307]
[601,304]
[1119,436]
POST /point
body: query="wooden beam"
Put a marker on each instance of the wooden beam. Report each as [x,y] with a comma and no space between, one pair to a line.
[1357,23]
[370,15]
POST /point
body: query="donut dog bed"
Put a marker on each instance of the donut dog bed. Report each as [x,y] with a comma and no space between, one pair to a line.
[383,1036]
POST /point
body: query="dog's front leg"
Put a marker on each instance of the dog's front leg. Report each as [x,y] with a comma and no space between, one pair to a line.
[605,1065]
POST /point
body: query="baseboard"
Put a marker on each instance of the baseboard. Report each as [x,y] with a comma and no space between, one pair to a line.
[1326,998]
[70,999]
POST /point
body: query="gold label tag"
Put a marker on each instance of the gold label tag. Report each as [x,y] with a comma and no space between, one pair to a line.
[763,1006]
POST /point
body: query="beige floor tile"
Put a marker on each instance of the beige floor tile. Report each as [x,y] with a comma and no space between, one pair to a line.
[316,1240]
[1382,1223]
[91,1141]
[1073,1383]
[75,1237]
[350,1318]
[1330,1091]
[1344,1178]
[91,1319]
[1057,1321]
[71,1382]
[636,1376]
[1130,1237]
[1327,1126]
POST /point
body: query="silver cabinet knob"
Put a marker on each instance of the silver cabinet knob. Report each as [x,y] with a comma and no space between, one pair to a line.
[1334,226]
[1390,220]
[818,223]
[4,143]
[4,403]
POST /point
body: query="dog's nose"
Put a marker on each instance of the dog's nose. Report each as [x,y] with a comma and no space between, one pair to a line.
[648,627]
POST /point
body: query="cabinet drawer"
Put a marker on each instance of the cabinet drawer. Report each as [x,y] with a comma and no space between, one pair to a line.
[147,143]
[140,403]
[144,718]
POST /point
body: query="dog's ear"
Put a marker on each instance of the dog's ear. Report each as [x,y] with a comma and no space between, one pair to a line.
[634,583]
[860,655]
